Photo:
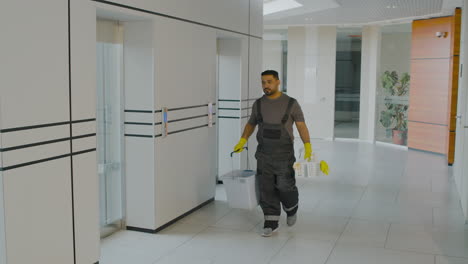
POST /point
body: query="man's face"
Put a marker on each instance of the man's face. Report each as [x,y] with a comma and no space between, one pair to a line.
[270,84]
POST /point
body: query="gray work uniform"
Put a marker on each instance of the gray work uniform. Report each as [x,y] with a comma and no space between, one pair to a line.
[275,154]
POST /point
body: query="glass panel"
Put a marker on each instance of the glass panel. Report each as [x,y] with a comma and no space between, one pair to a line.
[110,127]
[393,85]
[348,82]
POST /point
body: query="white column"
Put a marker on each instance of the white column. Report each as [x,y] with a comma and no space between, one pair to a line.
[2,209]
[369,68]
[461,143]
[311,76]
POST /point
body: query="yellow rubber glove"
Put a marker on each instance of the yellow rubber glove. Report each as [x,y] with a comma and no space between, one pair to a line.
[307,151]
[324,167]
[240,146]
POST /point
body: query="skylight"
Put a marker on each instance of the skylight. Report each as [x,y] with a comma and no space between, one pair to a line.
[275,6]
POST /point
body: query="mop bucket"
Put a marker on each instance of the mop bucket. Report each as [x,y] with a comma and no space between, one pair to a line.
[241,188]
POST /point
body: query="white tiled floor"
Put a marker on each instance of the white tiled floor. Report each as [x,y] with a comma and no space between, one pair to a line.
[379,205]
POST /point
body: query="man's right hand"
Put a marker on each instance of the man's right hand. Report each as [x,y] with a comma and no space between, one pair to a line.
[240,145]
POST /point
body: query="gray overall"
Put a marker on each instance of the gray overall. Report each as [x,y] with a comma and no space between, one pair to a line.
[275,173]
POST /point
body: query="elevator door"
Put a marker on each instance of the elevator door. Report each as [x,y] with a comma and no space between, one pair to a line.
[110,125]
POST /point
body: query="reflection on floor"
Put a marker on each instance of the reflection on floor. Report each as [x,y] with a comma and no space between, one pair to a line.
[380,205]
[347,129]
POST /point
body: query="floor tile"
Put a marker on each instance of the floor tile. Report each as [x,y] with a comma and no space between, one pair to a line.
[303,251]
[365,233]
[450,260]
[363,255]
[433,240]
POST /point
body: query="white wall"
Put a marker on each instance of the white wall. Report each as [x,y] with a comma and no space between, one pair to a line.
[139,75]
[39,198]
[228,14]
[461,143]
[83,85]
[185,68]
[311,76]
[34,89]
[229,87]
[2,209]
[255,91]
[273,56]
[369,71]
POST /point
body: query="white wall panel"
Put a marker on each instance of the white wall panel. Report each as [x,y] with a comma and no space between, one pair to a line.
[140,182]
[139,65]
[83,85]
[460,171]
[255,90]
[34,84]
[311,76]
[38,213]
[185,61]
[2,208]
[24,155]
[34,68]
[30,136]
[256,18]
[228,14]
[86,191]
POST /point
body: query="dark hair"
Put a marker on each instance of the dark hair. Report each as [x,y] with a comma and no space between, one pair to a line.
[271,72]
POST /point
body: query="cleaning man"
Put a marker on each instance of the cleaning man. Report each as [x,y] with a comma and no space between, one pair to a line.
[275,113]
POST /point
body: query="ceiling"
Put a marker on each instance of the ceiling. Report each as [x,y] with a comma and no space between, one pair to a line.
[359,12]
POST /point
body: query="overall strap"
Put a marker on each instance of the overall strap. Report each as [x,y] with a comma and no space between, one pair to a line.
[259,111]
[288,111]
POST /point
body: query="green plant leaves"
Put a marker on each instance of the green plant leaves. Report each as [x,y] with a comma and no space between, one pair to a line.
[396,114]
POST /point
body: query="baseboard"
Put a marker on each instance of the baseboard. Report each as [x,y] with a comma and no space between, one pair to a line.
[348,139]
[159,229]
[391,145]
[139,229]
[426,151]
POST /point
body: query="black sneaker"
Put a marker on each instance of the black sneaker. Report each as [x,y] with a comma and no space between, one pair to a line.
[269,228]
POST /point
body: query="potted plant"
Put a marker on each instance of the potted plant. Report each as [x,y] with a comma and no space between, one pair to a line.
[394,118]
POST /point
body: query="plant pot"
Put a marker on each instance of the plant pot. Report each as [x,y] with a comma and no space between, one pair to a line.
[399,137]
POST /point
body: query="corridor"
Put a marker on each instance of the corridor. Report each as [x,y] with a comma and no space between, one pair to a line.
[380,205]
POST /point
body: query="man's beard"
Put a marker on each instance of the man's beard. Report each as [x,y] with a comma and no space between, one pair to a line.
[268,91]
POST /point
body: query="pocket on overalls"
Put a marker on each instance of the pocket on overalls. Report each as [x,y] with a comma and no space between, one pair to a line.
[271,133]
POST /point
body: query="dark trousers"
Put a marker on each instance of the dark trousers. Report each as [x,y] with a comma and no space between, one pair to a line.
[277,185]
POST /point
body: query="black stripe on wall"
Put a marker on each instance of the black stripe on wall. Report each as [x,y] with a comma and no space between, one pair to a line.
[229,117]
[7,168]
[8,130]
[138,135]
[138,111]
[224,108]
[138,123]
[229,100]
[173,17]
[45,142]
[187,107]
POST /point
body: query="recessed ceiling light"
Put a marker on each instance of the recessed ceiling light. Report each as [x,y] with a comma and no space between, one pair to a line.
[275,6]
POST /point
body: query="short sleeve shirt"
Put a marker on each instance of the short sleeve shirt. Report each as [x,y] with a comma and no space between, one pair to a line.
[273,111]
